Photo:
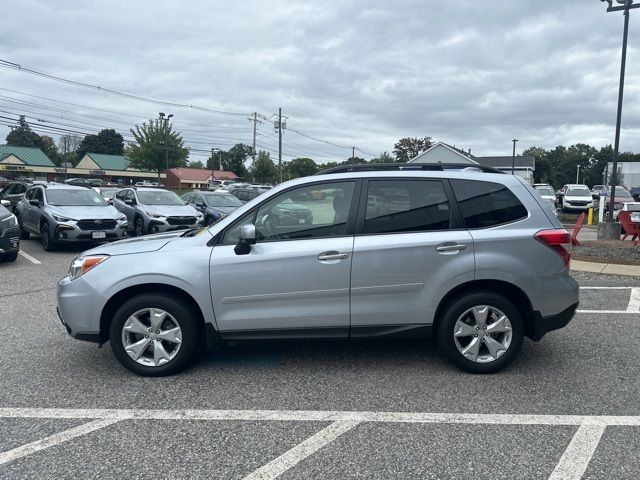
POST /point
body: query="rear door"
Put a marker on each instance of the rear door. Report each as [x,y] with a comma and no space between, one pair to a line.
[407,255]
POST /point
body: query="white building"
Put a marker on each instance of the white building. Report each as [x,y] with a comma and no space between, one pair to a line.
[444,153]
[630,173]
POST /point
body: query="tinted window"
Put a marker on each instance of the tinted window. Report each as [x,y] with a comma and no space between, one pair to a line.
[406,206]
[20,188]
[484,204]
[29,194]
[37,194]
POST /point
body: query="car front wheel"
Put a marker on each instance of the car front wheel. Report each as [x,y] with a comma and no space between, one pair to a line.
[481,332]
[48,243]
[138,226]
[154,335]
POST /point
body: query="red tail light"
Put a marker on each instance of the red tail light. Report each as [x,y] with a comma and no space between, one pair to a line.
[558,240]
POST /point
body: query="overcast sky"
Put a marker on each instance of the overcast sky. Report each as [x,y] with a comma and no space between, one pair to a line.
[468,72]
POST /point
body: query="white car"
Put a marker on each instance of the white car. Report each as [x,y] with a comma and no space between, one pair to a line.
[576,198]
[631,207]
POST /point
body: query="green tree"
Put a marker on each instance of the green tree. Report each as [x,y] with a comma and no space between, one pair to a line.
[105,141]
[354,161]
[384,157]
[301,167]
[50,149]
[410,147]
[236,158]
[21,135]
[264,169]
[196,164]
[148,153]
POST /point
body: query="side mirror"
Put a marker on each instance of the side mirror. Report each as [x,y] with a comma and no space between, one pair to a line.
[34,202]
[130,202]
[247,238]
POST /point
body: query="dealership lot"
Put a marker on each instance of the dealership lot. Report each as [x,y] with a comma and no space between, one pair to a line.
[368,409]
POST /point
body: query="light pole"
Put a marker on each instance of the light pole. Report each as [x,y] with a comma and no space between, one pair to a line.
[165,127]
[625,6]
[578,174]
[213,152]
[513,157]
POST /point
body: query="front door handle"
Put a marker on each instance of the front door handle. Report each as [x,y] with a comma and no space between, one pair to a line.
[451,248]
[333,255]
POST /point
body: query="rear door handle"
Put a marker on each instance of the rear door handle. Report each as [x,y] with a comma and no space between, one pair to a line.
[451,248]
[327,256]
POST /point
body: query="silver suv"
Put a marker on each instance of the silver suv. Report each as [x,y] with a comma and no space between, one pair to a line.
[61,213]
[475,259]
[153,210]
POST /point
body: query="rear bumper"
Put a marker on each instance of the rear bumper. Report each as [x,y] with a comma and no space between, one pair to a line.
[541,325]
[10,240]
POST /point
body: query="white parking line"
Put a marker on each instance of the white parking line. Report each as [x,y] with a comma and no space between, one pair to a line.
[634,301]
[295,455]
[29,257]
[576,457]
[605,311]
[606,288]
[55,439]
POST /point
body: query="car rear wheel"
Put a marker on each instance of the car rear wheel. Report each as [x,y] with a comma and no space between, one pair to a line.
[481,332]
[48,243]
[154,335]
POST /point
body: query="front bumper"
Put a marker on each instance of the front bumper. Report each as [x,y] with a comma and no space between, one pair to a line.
[541,325]
[70,232]
[569,206]
[161,225]
[10,240]
[79,309]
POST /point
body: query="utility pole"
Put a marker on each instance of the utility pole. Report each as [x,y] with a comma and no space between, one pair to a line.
[353,154]
[213,153]
[578,174]
[255,121]
[279,125]
[513,157]
[165,124]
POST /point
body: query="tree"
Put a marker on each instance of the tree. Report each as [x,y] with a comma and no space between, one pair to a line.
[148,153]
[236,157]
[218,161]
[106,141]
[384,157]
[21,135]
[354,161]
[196,164]
[264,169]
[50,149]
[410,147]
[302,167]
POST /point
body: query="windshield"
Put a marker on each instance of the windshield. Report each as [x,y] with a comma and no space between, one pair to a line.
[108,192]
[74,198]
[218,200]
[159,197]
[578,192]
[545,191]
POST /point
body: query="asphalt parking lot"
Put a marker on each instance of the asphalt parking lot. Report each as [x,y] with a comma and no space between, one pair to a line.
[569,407]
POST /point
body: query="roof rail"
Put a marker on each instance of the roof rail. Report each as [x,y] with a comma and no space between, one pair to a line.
[437,167]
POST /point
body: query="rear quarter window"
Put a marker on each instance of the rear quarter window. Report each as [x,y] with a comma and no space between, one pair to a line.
[486,204]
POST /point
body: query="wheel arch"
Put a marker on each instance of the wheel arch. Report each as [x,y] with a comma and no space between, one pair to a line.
[500,287]
[208,333]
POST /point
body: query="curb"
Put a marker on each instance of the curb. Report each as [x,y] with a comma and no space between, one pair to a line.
[608,268]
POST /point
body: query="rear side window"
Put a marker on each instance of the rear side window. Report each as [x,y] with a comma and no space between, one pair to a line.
[486,204]
[396,206]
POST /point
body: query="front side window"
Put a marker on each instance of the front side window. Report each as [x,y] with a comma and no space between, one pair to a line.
[486,204]
[396,206]
[37,194]
[29,194]
[74,198]
[314,211]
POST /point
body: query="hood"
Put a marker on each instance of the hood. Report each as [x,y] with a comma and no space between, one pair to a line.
[106,212]
[148,243]
[584,197]
[225,210]
[171,210]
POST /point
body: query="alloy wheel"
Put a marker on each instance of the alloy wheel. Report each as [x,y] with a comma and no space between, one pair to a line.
[139,226]
[483,334]
[152,337]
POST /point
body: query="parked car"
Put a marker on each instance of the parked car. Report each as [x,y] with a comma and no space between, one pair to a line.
[635,193]
[576,197]
[547,194]
[632,207]
[107,193]
[153,210]
[213,205]
[4,181]
[95,182]
[79,182]
[595,191]
[622,195]
[9,235]
[61,213]
[461,257]
[244,194]
[13,192]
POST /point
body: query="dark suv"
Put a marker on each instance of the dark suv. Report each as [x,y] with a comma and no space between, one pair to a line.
[13,192]
[9,236]
[244,194]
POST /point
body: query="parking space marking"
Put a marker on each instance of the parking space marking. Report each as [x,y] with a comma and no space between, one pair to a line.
[606,288]
[634,301]
[605,311]
[55,439]
[29,257]
[576,457]
[295,455]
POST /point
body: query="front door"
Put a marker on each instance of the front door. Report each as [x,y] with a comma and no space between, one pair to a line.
[295,280]
[405,257]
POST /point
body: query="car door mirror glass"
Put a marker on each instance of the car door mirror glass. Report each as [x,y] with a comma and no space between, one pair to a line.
[247,238]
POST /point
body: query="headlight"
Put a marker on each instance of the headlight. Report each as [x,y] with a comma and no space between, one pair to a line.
[154,215]
[82,265]
[12,221]
[62,219]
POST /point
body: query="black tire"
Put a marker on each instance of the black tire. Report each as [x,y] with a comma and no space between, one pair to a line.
[24,235]
[184,315]
[48,243]
[138,227]
[460,304]
[10,257]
